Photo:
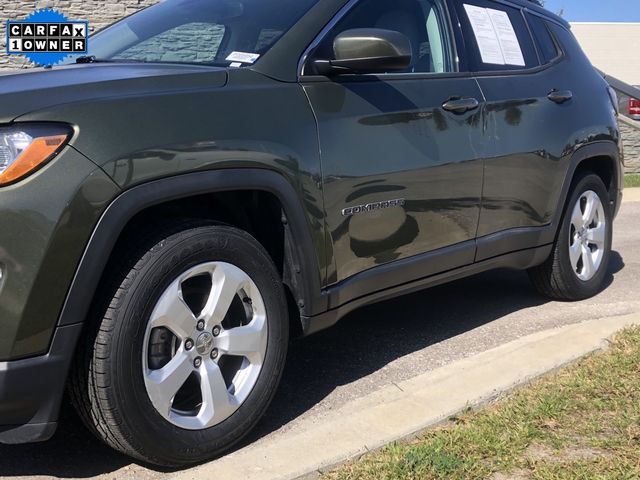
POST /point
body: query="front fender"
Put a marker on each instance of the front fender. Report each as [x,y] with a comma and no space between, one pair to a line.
[139,198]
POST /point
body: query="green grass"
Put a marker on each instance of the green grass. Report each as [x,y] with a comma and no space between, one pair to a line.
[631,181]
[580,423]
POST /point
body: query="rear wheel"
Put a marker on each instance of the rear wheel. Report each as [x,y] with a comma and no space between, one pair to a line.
[579,261]
[189,353]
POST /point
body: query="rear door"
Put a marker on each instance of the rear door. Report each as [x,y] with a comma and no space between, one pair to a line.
[527,127]
[402,175]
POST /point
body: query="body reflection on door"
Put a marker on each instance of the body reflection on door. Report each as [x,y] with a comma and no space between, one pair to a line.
[386,140]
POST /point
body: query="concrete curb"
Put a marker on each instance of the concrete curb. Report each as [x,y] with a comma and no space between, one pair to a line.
[401,410]
[631,195]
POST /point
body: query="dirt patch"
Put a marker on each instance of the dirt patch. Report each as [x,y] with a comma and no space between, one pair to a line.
[537,453]
[515,475]
[573,454]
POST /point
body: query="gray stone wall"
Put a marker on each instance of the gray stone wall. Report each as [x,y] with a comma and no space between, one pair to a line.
[193,42]
[99,13]
[631,138]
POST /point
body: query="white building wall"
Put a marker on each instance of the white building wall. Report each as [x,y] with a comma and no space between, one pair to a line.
[612,47]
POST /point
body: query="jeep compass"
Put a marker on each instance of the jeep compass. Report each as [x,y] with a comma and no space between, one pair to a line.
[217,176]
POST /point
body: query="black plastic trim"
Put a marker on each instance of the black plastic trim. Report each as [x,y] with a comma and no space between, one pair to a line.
[141,197]
[521,260]
[401,272]
[596,149]
[31,390]
[514,240]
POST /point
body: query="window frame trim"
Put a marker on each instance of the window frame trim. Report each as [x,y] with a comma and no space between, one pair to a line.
[559,50]
[345,10]
[533,37]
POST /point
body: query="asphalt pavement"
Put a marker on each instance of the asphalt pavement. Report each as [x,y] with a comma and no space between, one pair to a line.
[373,348]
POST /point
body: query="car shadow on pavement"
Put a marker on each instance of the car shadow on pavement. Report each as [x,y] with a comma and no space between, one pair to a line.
[372,337]
[362,343]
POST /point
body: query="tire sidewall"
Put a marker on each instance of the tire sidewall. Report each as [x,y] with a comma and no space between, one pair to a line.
[154,435]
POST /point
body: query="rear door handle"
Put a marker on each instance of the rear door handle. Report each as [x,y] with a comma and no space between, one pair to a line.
[560,96]
[460,105]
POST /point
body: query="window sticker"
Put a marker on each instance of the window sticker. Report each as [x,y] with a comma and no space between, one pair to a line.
[509,43]
[243,57]
[495,35]
[485,35]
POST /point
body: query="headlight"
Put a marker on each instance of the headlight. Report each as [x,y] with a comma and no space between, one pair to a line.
[25,148]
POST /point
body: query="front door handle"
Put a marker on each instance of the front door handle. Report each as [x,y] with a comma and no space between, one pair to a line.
[560,96]
[460,105]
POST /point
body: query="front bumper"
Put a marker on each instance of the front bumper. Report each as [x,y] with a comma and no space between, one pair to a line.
[31,390]
[46,222]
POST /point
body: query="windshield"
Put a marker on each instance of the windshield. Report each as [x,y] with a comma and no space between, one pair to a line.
[209,32]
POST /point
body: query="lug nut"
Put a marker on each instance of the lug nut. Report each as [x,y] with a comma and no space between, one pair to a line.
[188,344]
[214,354]
[200,325]
[197,362]
[216,331]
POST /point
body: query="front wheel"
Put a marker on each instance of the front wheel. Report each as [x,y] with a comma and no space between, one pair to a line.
[578,264]
[190,350]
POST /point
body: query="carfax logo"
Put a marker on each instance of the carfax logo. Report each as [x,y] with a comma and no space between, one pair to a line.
[47,37]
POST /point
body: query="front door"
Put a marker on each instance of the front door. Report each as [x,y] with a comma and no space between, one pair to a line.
[402,171]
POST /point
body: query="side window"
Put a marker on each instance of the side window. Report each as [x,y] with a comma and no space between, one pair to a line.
[496,36]
[191,43]
[424,22]
[546,45]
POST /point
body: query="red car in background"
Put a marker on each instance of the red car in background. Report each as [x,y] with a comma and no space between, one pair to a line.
[634,107]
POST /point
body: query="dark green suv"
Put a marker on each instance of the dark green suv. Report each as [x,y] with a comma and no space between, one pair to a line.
[220,175]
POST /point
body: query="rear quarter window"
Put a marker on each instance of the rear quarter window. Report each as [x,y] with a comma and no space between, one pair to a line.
[475,58]
[547,46]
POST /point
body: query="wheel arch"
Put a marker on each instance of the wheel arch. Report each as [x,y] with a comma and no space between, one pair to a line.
[601,158]
[300,269]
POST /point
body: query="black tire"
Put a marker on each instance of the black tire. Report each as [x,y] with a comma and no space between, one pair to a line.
[107,385]
[556,277]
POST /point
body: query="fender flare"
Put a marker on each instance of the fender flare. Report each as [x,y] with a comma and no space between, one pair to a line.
[137,199]
[586,152]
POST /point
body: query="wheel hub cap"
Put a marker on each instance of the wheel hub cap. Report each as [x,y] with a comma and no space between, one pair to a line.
[204,343]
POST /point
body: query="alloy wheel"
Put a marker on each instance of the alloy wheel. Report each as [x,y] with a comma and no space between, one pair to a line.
[205,345]
[587,236]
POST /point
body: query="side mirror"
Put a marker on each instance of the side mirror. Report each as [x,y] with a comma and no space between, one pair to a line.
[367,50]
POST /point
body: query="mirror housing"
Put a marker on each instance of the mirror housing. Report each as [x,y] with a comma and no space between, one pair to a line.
[367,50]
